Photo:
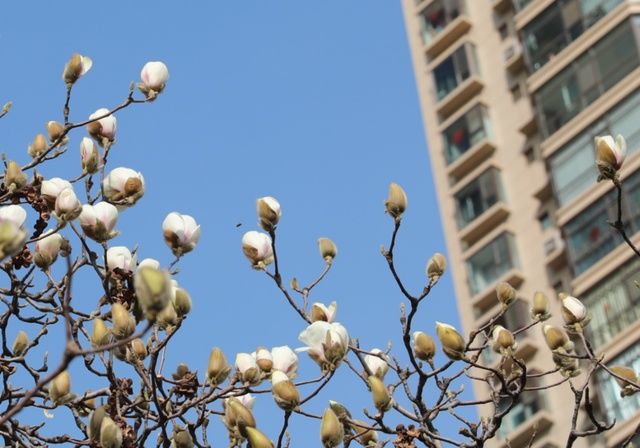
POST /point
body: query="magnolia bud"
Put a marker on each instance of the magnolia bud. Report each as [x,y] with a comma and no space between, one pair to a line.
[237,414]
[181,233]
[540,309]
[257,248]
[367,437]
[95,422]
[218,368]
[123,323]
[98,221]
[284,392]
[436,267]
[137,349]
[55,131]
[167,319]
[248,368]
[264,359]
[50,189]
[38,147]
[503,340]
[328,249]
[556,338]
[452,342]
[67,206]
[77,66]
[154,76]
[424,347]
[181,438]
[181,302]
[321,312]
[123,187]
[629,382]
[610,155]
[20,343]
[396,202]
[380,394]
[60,387]
[100,335]
[339,409]
[89,156]
[119,257]
[257,439]
[12,235]
[331,430]
[47,249]
[104,129]
[110,434]
[181,371]
[269,212]
[14,178]
[377,365]
[153,289]
[506,293]
[568,366]
[573,310]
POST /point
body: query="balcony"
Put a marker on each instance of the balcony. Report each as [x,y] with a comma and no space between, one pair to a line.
[460,95]
[513,56]
[501,6]
[456,79]
[451,33]
[540,422]
[555,253]
[486,298]
[478,153]
[483,224]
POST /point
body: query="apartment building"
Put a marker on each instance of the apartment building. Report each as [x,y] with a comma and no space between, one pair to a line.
[512,94]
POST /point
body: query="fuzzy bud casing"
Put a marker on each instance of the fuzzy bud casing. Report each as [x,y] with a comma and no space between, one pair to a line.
[396,202]
[20,343]
[506,293]
[218,368]
[328,249]
[424,347]
[269,212]
[331,430]
[452,342]
[110,434]
[436,266]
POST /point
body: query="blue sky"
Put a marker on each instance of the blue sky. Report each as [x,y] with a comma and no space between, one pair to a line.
[311,102]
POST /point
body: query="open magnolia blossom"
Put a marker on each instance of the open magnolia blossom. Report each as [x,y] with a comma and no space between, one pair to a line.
[256,246]
[14,214]
[77,66]
[103,129]
[67,206]
[377,363]
[610,155]
[321,312]
[89,156]
[285,360]
[181,233]
[327,343]
[47,249]
[154,76]
[123,186]
[50,189]
[573,310]
[269,212]
[98,221]
[248,369]
[119,257]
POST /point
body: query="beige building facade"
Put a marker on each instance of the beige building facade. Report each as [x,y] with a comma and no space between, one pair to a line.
[512,93]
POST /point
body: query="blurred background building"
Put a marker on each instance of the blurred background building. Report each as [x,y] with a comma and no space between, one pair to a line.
[512,95]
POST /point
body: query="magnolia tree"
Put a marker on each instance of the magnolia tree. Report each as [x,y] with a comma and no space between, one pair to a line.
[141,306]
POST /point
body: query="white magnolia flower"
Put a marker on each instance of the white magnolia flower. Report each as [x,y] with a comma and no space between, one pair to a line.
[269,212]
[67,206]
[247,367]
[319,311]
[13,213]
[104,128]
[12,235]
[327,343]
[152,263]
[378,365]
[77,66]
[257,248]
[154,76]
[573,310]
[123,186]
[181,233]
[263,359]
[610,153]
[51,188]
[98,221]
[285,360]
[247,400]
[47,249]
[89,156]
[120,257]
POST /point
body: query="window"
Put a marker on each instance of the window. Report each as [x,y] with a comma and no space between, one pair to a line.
[520,4]
[559,25]
[478,196]
[572,167]
[592,74]
[589,235]
[437,16]
[515,318]
[528,404]
[614,406]
[465,132]
[492,261]
[614,304]
[545,221]
[454,70]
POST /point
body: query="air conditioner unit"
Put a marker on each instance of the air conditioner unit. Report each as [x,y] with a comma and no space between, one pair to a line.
[553,244]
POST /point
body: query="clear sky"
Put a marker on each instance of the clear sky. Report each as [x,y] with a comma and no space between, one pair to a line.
[314,103]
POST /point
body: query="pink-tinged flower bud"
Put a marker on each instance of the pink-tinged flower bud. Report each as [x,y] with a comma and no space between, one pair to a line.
[77,66]
[257,248]
[424,348]
[154,76]
[98,221]
[123,187]
[51,188]
[14,178]
[377,363]
[248,369]
[396,202]
[181,233]
[328,249]
[503,341]
[12,235]
[285,360]
[60,387]
[103,130]
[284,392]
[573,310]
[321,312]
[119,257]
[506,293]
[452,342]
[381,397]
[610,155]
[38,147]
[628,381]
[327,344]
[56,131]
[269,212]
[218,368]
[436,267]
[47,249]
[89,156]
[331,430]
[264,359]
[67,206]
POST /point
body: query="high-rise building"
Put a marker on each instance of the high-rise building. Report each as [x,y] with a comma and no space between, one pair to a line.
[512,95]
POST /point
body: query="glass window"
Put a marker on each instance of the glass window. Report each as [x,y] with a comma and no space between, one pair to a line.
[559,25]
[584,81]
[573,168]
[465,132]
[489,263]
[454,70]
[478,196]
[614,304]
[437,16]
[613,405]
